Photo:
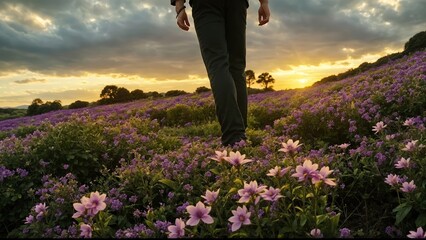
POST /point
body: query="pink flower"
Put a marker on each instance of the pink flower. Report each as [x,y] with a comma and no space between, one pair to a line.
[220,156]
[249,190]
[290,146]
[344,145]
[390,137]
[237,159]
[197,213]
[316,233]
[95,203]
[392,179]
[29,219]
[41,209]
[409,122]
[241,217]
[80,208]
[86,231]
[408,186]
[403,163]
[307,170]
[417,234]
[410,146]
[278,172]
[379,127]
[322,176]
[210,197]
[177,230]
[272,194]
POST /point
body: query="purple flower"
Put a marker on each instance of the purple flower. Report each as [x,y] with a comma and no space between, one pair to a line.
[344,232]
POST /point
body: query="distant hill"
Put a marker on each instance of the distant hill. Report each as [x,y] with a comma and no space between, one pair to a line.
[414,44]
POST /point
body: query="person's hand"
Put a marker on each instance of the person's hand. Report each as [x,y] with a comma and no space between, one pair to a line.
[182,18]
[264,13]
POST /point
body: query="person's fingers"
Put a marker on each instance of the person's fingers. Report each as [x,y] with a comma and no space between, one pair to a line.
[183,21]
[264,15]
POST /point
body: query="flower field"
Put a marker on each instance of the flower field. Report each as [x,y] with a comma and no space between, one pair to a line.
[343,159]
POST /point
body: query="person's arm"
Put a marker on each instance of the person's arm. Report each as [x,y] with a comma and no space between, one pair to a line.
[182,18]
[264,13]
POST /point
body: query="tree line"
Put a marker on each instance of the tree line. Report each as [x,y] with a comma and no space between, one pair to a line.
[112,94]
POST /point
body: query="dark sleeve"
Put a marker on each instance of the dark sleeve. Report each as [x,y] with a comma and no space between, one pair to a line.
[173,2]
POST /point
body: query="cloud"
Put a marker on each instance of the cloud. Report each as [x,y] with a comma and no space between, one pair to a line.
[140,37]
[29,80]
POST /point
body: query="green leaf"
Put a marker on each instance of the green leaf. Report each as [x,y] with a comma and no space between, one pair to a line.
[402,211]
[238,181]
[421,220]
[303,220]
[320,218]
[172,184]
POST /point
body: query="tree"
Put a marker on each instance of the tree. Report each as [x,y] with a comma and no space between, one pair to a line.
[122,95]
[154,94]
[109,92]
[416,43]
[173,93]
[250,77]
[33,109]
[265,79]
[137,94]
[202,89]
[78,104]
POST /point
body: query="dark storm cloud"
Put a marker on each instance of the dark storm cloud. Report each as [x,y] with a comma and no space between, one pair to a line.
[70,37]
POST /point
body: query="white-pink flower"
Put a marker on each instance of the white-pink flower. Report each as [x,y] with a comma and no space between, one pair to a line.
[86,231]
[409,122]
[241,217]
[250,190]
[210,197]
[410,146]
[41,209]
[236,159]
[305,171]
[177,230]
[271,194]
[290,146]
[392,179]
[408,186]
[95,203]
[80,208]
[220,156]
[379,127]
[403,163]
[278,171]
[197,213]
[322,176]
[344,145]
[417,234]
[316,233]
[29,219]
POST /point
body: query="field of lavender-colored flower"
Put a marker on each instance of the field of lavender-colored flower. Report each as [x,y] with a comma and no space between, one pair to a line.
[342,159]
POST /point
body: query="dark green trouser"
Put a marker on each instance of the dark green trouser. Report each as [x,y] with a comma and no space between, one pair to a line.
[221,32]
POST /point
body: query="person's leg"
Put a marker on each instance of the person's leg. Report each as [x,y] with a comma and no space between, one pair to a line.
[236,20]
[210,25]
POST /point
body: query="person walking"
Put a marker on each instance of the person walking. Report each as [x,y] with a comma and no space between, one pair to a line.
[220,26]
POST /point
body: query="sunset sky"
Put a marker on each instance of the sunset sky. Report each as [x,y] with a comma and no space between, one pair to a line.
[70,49]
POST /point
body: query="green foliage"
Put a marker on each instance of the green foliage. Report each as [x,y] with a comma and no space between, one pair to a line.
[78,104]
[416,43]
[259,116]
[174,93]
[202,89]
[78,145]
[38,107]
[9,113]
